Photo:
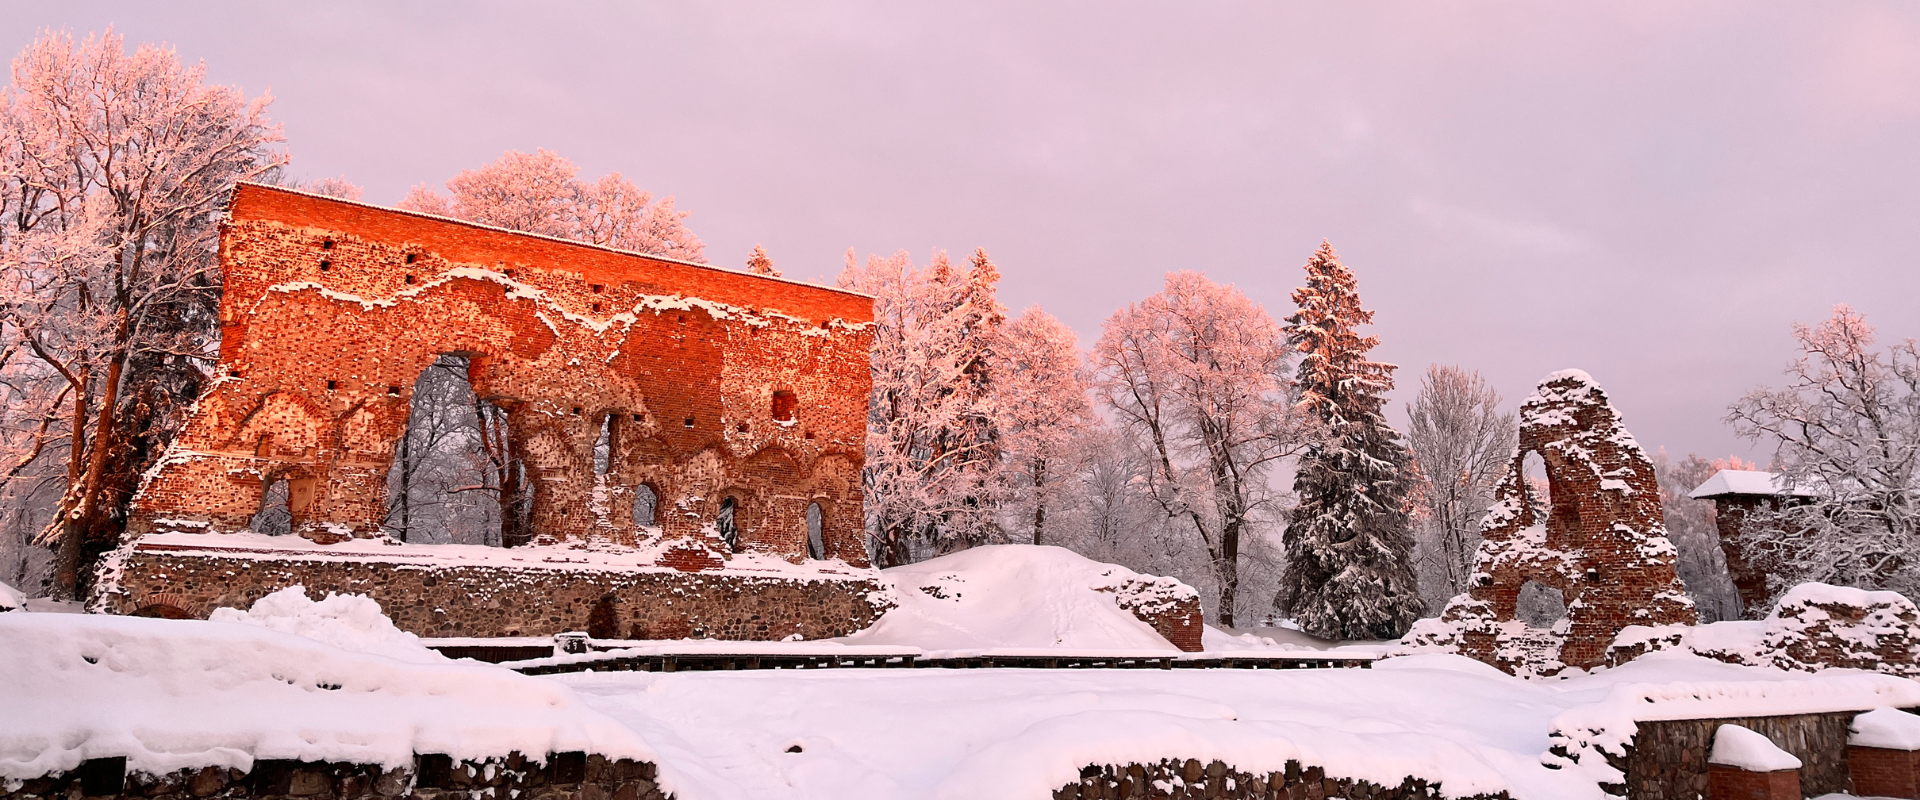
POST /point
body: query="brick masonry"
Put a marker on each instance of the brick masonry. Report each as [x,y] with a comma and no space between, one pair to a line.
[488,600]
[1602,542]
[1189,778]
[1880,772]
[332,309]
[563,776]
[1733,783]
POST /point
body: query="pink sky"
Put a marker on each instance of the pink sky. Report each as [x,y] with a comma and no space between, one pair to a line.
[1652,192]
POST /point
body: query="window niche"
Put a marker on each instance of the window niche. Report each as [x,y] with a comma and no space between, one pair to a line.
[784,406]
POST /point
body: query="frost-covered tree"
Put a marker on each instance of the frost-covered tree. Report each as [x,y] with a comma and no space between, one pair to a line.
[332,187]
[1846,427]
[933,444]
[1042,412]
[759,263]
[1194,377]
[1692,529]
[114,167]
[541,193]
[1349,548]
[1461,442]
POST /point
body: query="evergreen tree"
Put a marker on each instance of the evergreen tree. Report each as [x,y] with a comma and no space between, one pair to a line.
[1348,545]
[759,263]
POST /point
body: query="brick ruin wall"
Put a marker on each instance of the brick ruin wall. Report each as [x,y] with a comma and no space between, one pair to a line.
[1602,544]
[1189,778]
[486,600]
[562,776]
[332,309]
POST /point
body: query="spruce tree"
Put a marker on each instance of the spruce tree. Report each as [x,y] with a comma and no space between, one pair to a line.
[1348,545]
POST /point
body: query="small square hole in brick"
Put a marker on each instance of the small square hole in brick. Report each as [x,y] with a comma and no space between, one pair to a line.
[233,374]
[332,385]
[636,418]
[325,265]
[411,257]
[393,391]
[576,411]
[409,280]
[596,308]
[689,422]
[597,288]
[327,245]
[809,434]
[742,427]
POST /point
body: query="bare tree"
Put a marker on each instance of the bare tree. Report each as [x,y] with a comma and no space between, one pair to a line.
[1692,529]
[1846,427]
[1194,375]
[1461,442]
[443,486]
[113,169]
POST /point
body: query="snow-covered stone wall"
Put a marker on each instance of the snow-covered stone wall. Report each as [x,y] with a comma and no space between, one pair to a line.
[1602,544]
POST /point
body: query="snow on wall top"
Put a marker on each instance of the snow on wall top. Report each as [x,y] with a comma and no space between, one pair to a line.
[1888,728]
[184,694]
[1735,746]
[1745,481]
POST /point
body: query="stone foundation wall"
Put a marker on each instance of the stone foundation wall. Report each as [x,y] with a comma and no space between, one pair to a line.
[564,776]
[491,600]
[1176,778]
[1668,759]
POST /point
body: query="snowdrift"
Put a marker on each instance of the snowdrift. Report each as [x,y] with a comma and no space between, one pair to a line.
[1011,597]
[172,695]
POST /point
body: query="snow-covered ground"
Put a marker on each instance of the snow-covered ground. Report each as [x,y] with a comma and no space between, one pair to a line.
[332,679]
[952,734]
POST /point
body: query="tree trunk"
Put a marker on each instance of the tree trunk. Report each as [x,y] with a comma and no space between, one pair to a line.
[405,497]
[1039,499]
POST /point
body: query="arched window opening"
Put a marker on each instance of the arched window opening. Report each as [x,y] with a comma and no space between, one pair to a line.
[1540,606]
[645,503]
[816,535]
[729,531]
[784,404]
[449,467]
[603,447]
[274,517]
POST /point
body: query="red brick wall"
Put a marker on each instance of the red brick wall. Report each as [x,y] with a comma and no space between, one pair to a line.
[1879,772]
[1732,783]
[332,309]
[1602,543]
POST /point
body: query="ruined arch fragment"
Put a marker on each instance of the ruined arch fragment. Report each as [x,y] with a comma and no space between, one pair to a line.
[1601,540]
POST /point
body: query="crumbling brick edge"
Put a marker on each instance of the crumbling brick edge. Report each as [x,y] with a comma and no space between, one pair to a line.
[561,776]
[1175,777]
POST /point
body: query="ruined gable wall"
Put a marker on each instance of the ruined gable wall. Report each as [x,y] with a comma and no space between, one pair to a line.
[332,309]
[1602,542]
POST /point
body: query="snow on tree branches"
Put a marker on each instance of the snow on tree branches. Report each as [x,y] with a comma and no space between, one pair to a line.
[1195,378]
[113,169]
[933,440]
[1043,410]
[1349,551]
[1846,427]
[541,193]
[759,263]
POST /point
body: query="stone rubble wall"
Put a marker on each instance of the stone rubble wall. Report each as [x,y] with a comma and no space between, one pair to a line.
[491,600]
[1668,758]
[1178,779]
[564,776]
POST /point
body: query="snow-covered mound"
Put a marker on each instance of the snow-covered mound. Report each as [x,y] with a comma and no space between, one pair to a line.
[1021,597]
[348,621]
[1815,626]
[179,694]
[11,598]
